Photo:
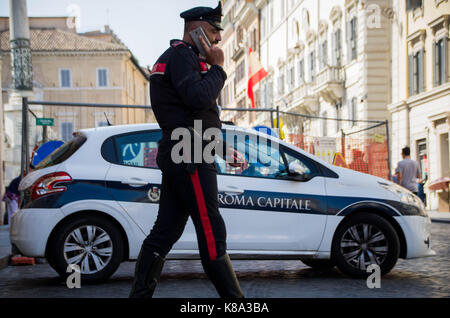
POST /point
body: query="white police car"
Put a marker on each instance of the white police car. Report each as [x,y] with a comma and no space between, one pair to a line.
[93,201]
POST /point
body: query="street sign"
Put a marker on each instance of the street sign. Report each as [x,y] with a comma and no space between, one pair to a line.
[378,138]
[45,121]
[339,160]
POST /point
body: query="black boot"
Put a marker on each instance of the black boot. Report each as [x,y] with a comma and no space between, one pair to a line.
[146,275]
[221,274]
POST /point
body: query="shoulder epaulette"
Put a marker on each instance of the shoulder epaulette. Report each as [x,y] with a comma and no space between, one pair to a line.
[177,44]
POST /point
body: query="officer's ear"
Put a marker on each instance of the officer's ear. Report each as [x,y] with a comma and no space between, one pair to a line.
[189,26]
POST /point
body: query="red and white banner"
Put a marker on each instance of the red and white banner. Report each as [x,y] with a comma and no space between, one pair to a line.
[256,73]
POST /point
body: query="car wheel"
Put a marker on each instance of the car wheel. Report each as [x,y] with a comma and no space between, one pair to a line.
[92,243]
[319,264]
[362,240]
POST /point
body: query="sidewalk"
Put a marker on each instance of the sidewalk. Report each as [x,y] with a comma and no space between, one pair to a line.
[439,216]
[5,246]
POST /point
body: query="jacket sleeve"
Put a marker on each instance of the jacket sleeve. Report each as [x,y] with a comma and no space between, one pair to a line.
[197,92]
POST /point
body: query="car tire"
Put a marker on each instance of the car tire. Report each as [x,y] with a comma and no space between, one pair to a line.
[91,242]
[364,239]
[319,264]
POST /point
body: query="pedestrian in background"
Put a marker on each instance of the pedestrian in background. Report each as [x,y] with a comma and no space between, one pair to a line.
[408,171]
[11,198]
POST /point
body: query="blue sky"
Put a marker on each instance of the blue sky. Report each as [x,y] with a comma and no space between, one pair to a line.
[145,26]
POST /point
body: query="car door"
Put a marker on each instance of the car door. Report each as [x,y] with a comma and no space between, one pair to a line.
[263,209]
[134,181]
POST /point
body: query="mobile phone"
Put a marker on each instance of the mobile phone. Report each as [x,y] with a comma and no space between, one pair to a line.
[195,35]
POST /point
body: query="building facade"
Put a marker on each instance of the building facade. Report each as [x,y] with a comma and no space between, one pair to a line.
[95,67]
[420,105]
[326,59]
[241,32]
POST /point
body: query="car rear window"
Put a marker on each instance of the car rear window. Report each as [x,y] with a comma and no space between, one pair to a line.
[62,153]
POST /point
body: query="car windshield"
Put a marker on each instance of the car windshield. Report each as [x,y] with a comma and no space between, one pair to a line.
[62,153]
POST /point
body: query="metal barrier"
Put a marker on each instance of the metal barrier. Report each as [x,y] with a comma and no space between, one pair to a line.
[365,150]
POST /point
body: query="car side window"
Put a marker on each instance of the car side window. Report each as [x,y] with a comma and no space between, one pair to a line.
[308,166]
[263,157]
[138,149]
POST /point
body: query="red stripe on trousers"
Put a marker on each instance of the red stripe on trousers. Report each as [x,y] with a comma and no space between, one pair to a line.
[210,242]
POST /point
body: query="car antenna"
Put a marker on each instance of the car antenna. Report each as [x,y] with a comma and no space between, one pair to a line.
[107,120]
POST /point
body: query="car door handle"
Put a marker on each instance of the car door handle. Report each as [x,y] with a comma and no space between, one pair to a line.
[135,182]
[231,190]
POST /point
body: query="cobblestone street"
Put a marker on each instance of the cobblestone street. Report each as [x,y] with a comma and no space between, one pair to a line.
[425,277]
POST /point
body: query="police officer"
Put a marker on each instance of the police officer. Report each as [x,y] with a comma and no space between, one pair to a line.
[183,89]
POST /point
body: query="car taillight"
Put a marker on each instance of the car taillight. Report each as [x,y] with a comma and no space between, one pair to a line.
[49,184]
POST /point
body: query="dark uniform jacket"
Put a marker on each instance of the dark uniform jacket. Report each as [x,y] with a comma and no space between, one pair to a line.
[183,89]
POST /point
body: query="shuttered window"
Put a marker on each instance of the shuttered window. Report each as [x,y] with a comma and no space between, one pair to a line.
[312,66]
[338,117]
[440,62]
[65,76]
[352,111]
[301,71]
[351,39]
[102,77]
[336,48]
[291,77]
[323,54]
[415,70]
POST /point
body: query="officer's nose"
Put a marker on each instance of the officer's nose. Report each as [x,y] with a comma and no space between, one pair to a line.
[218,37]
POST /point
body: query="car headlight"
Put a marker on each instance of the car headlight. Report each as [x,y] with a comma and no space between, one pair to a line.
[404,195]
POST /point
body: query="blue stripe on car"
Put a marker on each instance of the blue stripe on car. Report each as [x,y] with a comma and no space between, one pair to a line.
[250,200]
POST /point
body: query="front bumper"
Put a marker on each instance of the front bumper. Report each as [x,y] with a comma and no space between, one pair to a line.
[31,228]
[417,231]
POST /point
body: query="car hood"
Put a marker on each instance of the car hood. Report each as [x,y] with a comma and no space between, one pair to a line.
[361,184]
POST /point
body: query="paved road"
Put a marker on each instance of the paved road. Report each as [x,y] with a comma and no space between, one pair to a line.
[426,277]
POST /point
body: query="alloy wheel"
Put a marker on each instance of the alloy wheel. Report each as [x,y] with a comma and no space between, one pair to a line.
[363,245]
[89,247]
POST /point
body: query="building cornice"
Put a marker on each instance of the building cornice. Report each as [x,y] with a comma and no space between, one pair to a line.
[443,19]
[323,27]
[310,37]
[421,99]
[72,53]
[336,14]
[396,107]
[439,116]
[418,35]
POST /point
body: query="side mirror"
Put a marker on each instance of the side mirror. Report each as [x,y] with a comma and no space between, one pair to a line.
[297,172]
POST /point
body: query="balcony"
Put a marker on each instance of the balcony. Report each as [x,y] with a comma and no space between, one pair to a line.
[329,84]
[303,99]
[238,51]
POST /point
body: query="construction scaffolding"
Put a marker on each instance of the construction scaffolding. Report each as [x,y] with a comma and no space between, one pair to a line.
[362,145]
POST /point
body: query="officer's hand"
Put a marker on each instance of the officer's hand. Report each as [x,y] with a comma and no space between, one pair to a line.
[214,55]
[237,160]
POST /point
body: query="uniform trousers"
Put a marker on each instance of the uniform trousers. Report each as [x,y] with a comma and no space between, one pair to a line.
[185,194]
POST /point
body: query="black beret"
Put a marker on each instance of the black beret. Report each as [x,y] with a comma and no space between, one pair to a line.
[213,16]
